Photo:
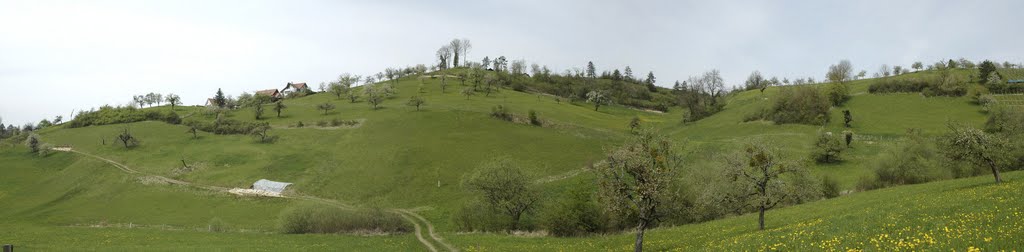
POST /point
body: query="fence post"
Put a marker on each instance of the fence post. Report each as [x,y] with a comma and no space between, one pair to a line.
[8,248]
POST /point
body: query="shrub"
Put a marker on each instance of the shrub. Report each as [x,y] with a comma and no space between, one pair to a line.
[916,160]
[533,118]
[838,93]
[300,125]
[476,216]
[501,112]
[987,102]
[110,115]
[800,104]
[576,215]
[45,150]
[868,182]
[893,85]
[830,187]
[224,126]
[827,148]
[327,219]
[1004,120]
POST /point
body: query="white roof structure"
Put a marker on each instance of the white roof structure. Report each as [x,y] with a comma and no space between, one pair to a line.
[270,186]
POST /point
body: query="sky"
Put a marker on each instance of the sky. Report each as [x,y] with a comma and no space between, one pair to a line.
[57,57]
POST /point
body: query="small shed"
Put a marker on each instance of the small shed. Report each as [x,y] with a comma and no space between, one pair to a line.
[270,186]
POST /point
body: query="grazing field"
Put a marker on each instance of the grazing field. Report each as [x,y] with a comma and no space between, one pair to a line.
[402,158]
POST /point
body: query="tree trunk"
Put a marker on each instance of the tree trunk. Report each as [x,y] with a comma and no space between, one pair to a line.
[760,219]
[639,244]
[995,170]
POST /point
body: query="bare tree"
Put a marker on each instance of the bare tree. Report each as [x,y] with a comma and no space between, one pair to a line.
[456,48]
[466,46]
[636,179]
[885,70]
[444,55]
[127,138]
[841,72]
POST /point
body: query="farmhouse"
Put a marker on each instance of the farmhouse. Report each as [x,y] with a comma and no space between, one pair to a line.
[210,102]
[273,93]
[295,87]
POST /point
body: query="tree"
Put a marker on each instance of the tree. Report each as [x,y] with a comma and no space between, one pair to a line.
[444,54]
[917,66]
[505,187]
[756,81]
[219,98]
[636,179]
[416,101]
[884,70]
[485,62]
[591,71]
[841,72]
[862,74]
[598,98]
[467,92]
[897,70]
[58,119]
[986,68]
[260,132]
[127,138]
[849,137]
[966,143]
[278,107]
[374,95]
[650,82]
[325,107]
[141,100]
[456,48]
[952,64]
[827,148]
[173,100]
[759,176]
[258,110]
[847,118]
[192,129]
[33,143]
[444,82]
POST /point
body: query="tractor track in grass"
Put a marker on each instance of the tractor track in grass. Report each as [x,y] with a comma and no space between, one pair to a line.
[428,240]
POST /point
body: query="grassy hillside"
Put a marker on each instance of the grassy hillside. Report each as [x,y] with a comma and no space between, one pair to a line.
[398,157]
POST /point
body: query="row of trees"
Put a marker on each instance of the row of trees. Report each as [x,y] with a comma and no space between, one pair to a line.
[158,99]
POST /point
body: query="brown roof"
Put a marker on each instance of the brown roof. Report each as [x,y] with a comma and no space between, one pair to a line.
[301,85]
[268,92]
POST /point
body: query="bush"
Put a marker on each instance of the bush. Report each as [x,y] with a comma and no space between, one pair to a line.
[111,115]
[327,219]
[868,182]
[1005,120]
[45,150]
[224,126]
[533,118]
[576,215]
[838,93]
[827,148]
[501,112]
[830,187]
[475,216]
[800,104]
[916,160]
[893,85]
[987,102]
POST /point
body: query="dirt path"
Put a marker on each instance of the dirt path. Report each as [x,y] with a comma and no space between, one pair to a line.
[410,216]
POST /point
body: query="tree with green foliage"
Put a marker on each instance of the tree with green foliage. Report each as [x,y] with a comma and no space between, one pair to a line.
[173,100]
[139,99]
[534,120]
[827,148]
[650,82]
[591,71]
[838,93]
[917,66]
[127,138]
[636,180]
[325,107]
[33,142]
[841,72]
[260,132]
[966,143]
[220,99]
[986,68]
[847,118]
[257,110]
[756,81]
[416,101]
[374,95]
[505,187]
[849,137]
[278,107]
[760,176]
[598,98]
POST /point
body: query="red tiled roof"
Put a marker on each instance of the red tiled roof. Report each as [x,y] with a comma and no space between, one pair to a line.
[268,92]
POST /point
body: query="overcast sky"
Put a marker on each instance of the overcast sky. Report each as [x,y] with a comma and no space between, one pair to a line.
[59,56]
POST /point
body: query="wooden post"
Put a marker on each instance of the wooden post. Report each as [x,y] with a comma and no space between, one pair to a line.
[8,248]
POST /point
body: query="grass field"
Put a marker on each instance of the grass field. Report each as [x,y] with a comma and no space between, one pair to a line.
[402,158]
